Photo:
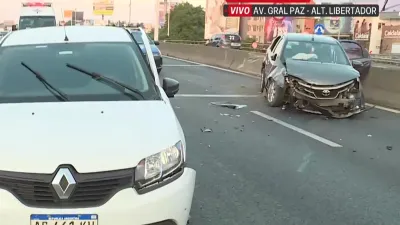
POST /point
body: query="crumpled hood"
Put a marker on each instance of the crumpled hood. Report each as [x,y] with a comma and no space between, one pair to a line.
[321,73]
[92,136]
[154,49]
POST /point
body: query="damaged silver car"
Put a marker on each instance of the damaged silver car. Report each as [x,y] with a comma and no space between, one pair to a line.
[311,73]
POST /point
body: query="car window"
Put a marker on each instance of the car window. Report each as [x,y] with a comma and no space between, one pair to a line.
[137,36]
[36,21]
[121,62]
[276,50]
[274,42]
[353,50]
[366,53]
[315,52]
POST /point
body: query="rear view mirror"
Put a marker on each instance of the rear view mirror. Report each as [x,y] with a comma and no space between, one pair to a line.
[156,42]
[356,63]
[170,86]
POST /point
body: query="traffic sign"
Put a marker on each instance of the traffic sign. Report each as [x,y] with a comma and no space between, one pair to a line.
[319,29]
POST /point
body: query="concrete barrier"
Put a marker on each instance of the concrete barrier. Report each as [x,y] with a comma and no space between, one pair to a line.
[382,86]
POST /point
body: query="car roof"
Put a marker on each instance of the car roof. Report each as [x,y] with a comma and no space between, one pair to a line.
[310,37]
[76,34]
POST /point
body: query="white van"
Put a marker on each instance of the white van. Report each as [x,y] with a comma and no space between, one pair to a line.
[36,14]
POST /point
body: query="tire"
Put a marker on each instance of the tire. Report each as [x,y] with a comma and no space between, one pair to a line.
[262,83]
[274,94]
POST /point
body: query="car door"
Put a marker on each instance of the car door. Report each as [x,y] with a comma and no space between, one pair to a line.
[277,48]
[266,62]
[355,52]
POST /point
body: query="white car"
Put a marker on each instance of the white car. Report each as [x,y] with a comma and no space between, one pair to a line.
[88,134]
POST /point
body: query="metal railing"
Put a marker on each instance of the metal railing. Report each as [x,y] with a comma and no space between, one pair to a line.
[393,59]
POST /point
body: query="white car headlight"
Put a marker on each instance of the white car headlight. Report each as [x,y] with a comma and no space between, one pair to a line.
[159,166]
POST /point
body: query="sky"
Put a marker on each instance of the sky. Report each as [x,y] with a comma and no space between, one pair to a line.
[142,10]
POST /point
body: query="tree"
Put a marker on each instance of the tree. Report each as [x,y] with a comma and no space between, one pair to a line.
[187,23]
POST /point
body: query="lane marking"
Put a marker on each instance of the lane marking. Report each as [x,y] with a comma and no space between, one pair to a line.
[306,161]
[258,78]
[214,67]
[183,65]
[216,96]
[297,129]
[383,108]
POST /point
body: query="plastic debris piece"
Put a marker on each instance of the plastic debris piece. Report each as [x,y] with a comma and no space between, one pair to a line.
[228,105]
[390,148]
[369,135]
[237,115]
[206,130]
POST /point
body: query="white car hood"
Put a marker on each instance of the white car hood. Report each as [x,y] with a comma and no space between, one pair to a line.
[91,136]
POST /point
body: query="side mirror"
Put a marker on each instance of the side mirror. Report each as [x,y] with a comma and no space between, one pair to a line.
[273,57]
[170,86]
[356,63]
[156,42]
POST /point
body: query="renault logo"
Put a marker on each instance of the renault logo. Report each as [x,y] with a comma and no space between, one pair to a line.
[326,92]
[63,183]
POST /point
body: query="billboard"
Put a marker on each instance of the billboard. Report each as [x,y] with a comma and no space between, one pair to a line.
[103,7]
[336,25]
[362,28]
[275,26]
[165,8]
[216,23]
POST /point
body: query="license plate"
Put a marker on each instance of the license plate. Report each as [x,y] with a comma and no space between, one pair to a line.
[61,219]
[235,44]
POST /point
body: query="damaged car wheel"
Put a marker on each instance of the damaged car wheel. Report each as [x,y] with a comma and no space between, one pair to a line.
[262,86]
[275,94]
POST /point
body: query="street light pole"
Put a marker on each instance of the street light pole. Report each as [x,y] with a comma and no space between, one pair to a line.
[130,11]
[156,27]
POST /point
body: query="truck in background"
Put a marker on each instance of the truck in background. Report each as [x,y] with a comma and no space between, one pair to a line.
[36,14]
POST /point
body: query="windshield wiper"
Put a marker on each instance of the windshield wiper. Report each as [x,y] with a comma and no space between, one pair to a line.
[58,93]
[109,81]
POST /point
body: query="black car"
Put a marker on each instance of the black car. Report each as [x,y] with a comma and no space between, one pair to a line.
[311,73]
[359,56]
[225,41]
[137,35]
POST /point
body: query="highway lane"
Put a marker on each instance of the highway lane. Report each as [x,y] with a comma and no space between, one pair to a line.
[252,170]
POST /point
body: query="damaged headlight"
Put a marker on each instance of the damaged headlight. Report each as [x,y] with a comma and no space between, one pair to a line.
[157,167]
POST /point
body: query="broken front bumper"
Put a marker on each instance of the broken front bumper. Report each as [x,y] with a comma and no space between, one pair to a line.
[336,108]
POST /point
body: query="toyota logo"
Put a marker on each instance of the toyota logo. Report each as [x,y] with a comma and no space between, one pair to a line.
[326,92]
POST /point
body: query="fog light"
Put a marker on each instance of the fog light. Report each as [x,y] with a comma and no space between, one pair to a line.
[351,96]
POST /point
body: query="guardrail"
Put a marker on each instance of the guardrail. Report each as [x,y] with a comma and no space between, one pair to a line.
[393,59]
[381,86]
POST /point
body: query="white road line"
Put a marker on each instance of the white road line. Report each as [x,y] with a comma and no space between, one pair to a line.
[306,161]
[299,130]
[214,67]
[182,65]
[216,96]
[258,78]
[384,108]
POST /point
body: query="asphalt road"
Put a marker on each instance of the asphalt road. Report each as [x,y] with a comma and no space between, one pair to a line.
[263,165]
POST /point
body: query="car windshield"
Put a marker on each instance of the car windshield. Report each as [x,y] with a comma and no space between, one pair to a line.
[36,21]
[121,63]
[315,52]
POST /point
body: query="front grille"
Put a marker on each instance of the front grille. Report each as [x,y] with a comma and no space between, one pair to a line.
[322,91]
[91,190]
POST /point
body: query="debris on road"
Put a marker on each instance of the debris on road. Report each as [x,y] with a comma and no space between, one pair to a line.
[228,105]
[209,146]
[242,86]
[206,130]
[224,114]
[369,135]
[237,115]
[177,107]
[389,148]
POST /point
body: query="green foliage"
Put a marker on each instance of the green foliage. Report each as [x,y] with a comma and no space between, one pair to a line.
[187,23]
[249,40]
